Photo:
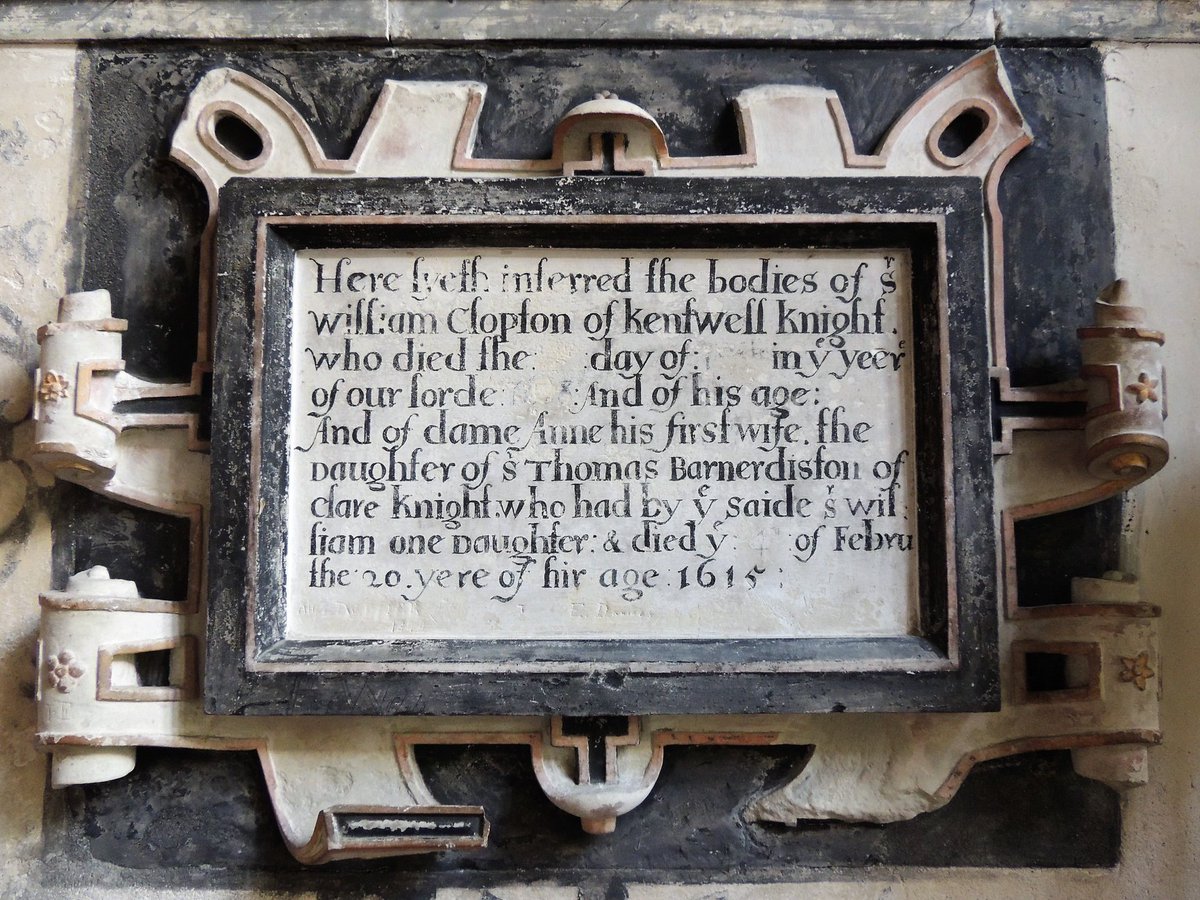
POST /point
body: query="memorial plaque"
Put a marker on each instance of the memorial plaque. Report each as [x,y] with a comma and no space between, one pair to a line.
[695,455]
[609,437]
[526,443]
[591,424]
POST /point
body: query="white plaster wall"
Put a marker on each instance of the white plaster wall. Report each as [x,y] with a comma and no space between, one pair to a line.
[1154,106]
[36,155]
[1154,113]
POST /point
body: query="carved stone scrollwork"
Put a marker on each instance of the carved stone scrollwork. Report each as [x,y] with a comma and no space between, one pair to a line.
[1127,391]
[351,786]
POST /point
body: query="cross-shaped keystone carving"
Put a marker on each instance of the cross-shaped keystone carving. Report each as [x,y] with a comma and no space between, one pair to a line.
[608,157]
[595,739]
[603,147]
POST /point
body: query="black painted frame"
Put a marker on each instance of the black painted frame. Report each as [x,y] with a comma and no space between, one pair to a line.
[253,668]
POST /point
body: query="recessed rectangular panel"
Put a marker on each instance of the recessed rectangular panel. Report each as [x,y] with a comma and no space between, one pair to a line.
[636,444]
[474,454]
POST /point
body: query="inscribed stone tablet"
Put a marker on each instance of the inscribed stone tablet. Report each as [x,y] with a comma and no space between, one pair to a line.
[622,444]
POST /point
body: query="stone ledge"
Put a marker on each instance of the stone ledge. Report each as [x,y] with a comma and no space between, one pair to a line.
[707,20]
[1141,21]
[30,21]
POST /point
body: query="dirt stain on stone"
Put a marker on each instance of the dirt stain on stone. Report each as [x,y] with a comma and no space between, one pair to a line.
[14,145]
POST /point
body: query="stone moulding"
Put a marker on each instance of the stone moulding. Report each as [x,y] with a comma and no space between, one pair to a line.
[401,21]
[356,777]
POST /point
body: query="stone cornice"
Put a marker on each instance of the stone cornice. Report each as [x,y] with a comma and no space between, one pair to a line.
[801,21]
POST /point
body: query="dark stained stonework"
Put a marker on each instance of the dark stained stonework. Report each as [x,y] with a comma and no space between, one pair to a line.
[1030,810]
[134,544]
[144,213]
